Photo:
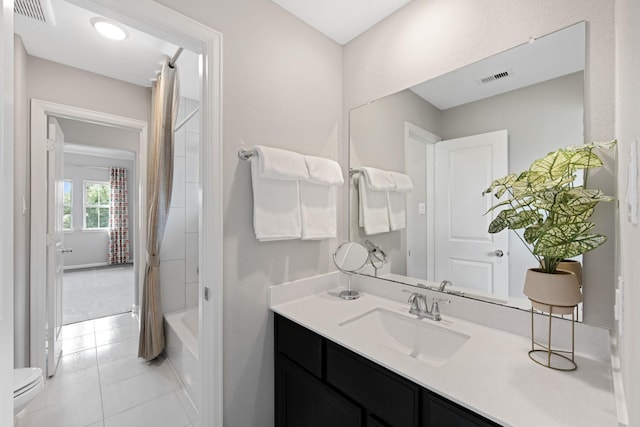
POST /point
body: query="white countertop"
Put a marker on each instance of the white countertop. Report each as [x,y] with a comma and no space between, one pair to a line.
[491,374]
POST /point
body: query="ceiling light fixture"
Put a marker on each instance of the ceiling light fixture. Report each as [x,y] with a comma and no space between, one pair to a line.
[108,29]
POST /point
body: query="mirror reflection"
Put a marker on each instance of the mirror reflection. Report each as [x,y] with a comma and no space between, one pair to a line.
[452,136]
[350,257]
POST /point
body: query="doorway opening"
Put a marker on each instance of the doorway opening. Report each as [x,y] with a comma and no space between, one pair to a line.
[98,215]
[162,22]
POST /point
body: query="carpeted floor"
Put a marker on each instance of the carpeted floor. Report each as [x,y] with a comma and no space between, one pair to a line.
[96,292]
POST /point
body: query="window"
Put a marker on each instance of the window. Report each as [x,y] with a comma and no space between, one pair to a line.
[67,203]
[96,205]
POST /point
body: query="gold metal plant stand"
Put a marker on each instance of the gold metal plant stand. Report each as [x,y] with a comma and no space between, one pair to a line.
[558,355]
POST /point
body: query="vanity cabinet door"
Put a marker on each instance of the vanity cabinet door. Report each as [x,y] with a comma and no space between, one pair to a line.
[374,422]
[388,396]
[299,344]
[439,412]
[304,401]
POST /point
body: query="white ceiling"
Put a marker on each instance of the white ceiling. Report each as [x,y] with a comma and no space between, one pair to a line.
[341,20]
[554,55]
[72,41]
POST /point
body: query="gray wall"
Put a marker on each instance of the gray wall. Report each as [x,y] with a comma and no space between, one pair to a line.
[54,82]
[628,131]
[428,38]
[282,88]
[91,248]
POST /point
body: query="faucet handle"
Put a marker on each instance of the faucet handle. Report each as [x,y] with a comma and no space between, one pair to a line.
[414,300]
[435,307]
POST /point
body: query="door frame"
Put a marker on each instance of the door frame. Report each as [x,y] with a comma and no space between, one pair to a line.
[40,111]
[161,21]
[416,133]
[6,214]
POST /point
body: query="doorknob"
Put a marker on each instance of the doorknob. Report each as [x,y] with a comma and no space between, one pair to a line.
[499,253]
[66,250]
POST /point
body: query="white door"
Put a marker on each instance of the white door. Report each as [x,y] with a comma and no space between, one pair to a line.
[55,250]
[465,252]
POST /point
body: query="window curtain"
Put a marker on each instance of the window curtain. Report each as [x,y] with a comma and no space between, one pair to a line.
[119,250]
[164,99]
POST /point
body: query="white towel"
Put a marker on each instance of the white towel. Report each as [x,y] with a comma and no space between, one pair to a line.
[373,208]
[318,211]
[396,204]
[276,196]
[402,182]
[396,200]
[275,163]
[378,179]
[318,198]
[323,171]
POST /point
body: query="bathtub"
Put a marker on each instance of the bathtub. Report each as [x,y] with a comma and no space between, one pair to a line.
[181,335]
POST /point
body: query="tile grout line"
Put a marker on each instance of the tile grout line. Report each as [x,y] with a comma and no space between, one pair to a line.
[99,378]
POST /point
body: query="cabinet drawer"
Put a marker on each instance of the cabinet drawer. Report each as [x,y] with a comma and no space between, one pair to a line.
[388,396]
[439,412]
[299,344]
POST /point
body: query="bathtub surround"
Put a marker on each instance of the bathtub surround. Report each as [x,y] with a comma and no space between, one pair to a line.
[179,252]
[181,330]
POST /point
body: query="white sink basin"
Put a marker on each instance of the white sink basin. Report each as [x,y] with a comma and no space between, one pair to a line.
[415,338]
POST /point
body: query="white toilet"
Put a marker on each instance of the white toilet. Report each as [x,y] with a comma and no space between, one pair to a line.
[27,384]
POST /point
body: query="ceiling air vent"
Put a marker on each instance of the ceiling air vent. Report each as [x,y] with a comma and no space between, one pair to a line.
[40,10]
[494,77]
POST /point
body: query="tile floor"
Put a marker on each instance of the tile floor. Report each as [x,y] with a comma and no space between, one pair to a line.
[100,382]
[90,293]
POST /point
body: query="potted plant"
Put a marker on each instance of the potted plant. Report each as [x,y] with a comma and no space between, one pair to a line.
[553,209]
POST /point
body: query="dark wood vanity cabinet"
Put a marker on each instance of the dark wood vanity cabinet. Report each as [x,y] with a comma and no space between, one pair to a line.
[322,384]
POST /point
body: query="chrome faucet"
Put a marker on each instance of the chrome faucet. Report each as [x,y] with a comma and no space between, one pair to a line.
[419,306]
[443,284]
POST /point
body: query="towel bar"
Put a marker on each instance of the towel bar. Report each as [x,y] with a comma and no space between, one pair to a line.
[354,171]
[246,154]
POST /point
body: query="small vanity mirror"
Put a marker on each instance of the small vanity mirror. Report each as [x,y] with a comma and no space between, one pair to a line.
[452,135]
[350,258]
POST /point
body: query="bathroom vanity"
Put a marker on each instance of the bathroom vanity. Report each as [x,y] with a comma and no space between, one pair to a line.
[368,362]
[321,383]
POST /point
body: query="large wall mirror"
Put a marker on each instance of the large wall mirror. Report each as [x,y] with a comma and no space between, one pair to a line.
[453,135]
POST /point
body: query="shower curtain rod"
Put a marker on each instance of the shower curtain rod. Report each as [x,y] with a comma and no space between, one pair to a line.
[172,61]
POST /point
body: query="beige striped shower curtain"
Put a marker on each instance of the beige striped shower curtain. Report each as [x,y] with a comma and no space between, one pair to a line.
[164,99]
